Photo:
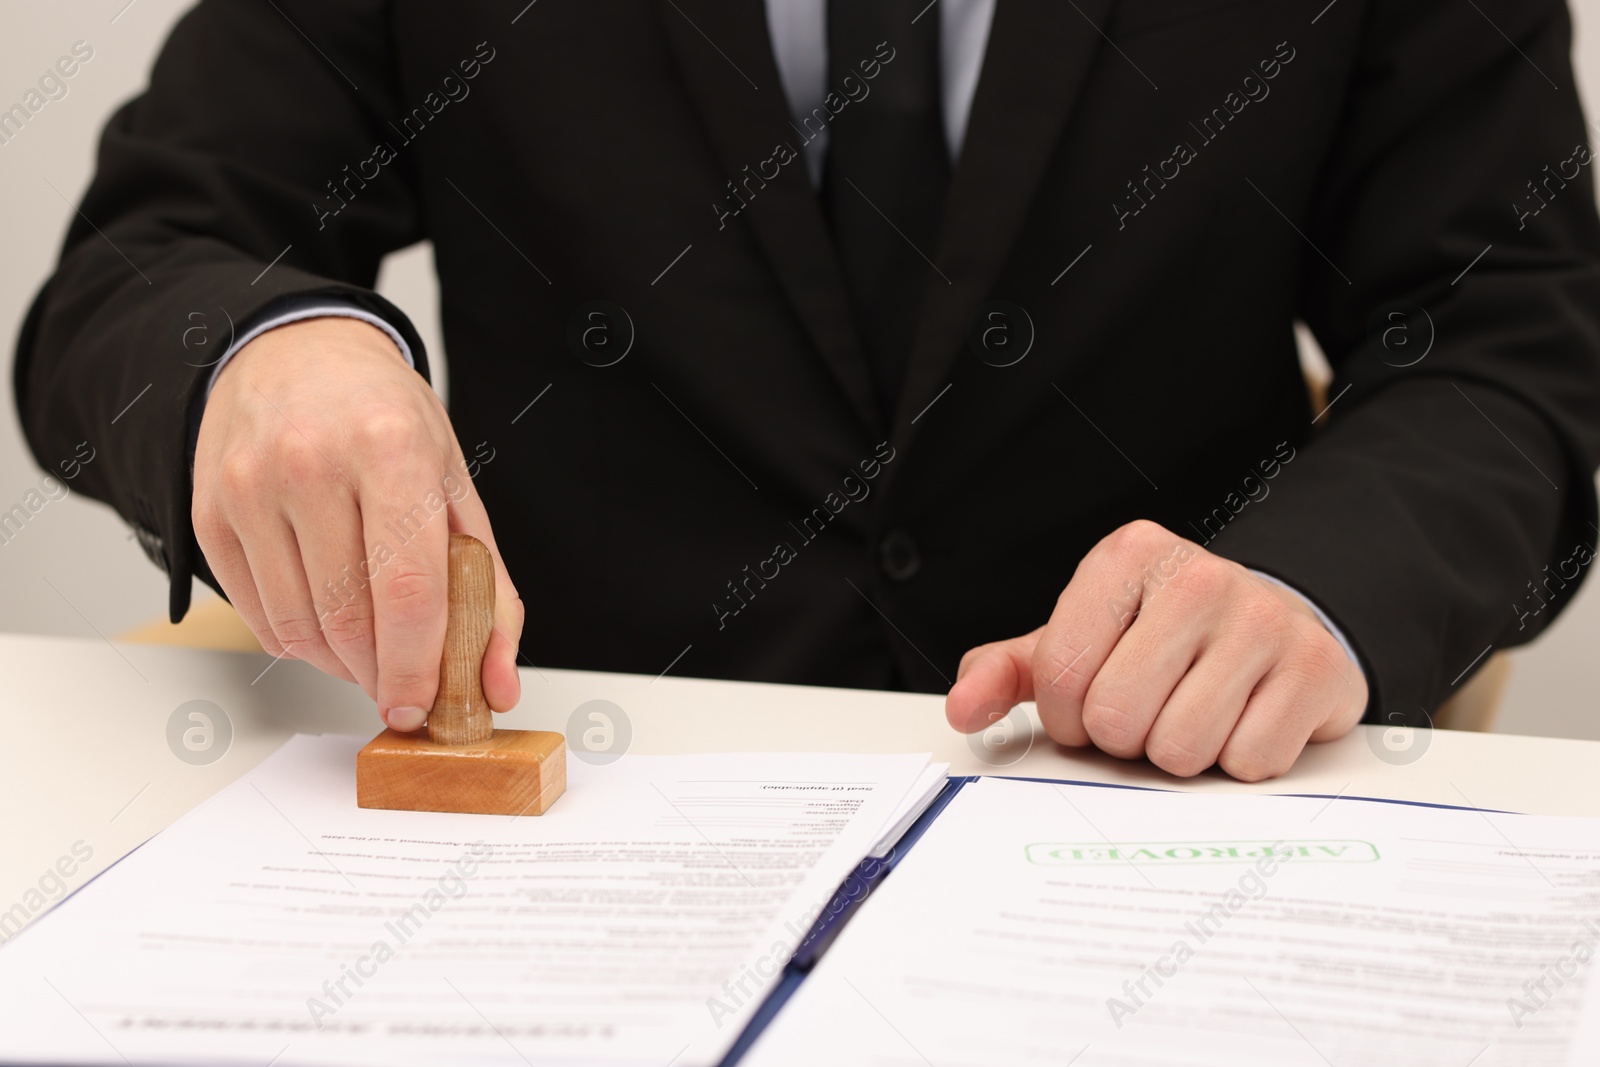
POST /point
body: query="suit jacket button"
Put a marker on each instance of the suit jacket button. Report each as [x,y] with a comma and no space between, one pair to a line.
[899,557]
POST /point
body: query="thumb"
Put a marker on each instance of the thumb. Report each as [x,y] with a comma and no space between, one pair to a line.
[502,687]
[991,680]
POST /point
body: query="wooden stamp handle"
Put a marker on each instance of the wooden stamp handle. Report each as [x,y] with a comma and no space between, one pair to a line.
[460,715]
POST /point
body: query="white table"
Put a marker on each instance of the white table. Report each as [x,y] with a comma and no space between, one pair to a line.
[86,761]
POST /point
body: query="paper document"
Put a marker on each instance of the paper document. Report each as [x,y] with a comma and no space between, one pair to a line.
[1038,923]
[922,793]
[641,920]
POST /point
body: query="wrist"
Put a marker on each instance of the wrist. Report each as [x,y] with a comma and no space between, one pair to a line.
[297,310]
[347,336]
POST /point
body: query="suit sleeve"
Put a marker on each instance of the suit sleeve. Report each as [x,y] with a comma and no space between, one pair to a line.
[1447,509]
[223,189]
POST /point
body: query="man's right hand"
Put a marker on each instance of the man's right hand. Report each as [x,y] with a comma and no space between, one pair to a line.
[327,481]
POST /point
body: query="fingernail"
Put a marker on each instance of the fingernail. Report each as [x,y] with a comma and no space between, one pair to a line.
[405,719]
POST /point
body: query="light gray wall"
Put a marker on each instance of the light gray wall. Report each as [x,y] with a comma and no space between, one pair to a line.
[102,579]
[74,569]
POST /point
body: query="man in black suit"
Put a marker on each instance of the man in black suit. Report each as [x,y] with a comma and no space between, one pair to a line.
[824,341]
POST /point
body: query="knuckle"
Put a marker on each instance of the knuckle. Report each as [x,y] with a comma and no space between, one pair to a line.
[411,595]
[1178,756]
[409,683]
[1113,721]
[1133,538]
[269,642]
[297,633]
[348,625]
[1250,766]
[388,431]
[1208,579]
[241,473]
[1060,730]
[1055,674]
[1045,683]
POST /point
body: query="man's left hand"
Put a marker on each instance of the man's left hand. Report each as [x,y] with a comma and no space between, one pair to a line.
[1159,648]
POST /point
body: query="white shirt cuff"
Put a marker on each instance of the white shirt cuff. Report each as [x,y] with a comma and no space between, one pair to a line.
[1322,616]
[309,307]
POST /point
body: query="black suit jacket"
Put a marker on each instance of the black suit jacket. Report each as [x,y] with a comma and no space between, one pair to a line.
[1152,206]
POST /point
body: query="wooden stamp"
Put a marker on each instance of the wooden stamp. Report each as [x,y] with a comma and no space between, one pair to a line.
[460,762]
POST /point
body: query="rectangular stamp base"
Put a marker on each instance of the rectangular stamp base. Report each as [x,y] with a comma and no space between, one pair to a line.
[515,772]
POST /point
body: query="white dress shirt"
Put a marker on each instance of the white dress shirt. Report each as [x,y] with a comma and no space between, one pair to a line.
[799,30]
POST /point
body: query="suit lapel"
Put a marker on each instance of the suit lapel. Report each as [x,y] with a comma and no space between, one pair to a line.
[1033,68]
[746,122]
